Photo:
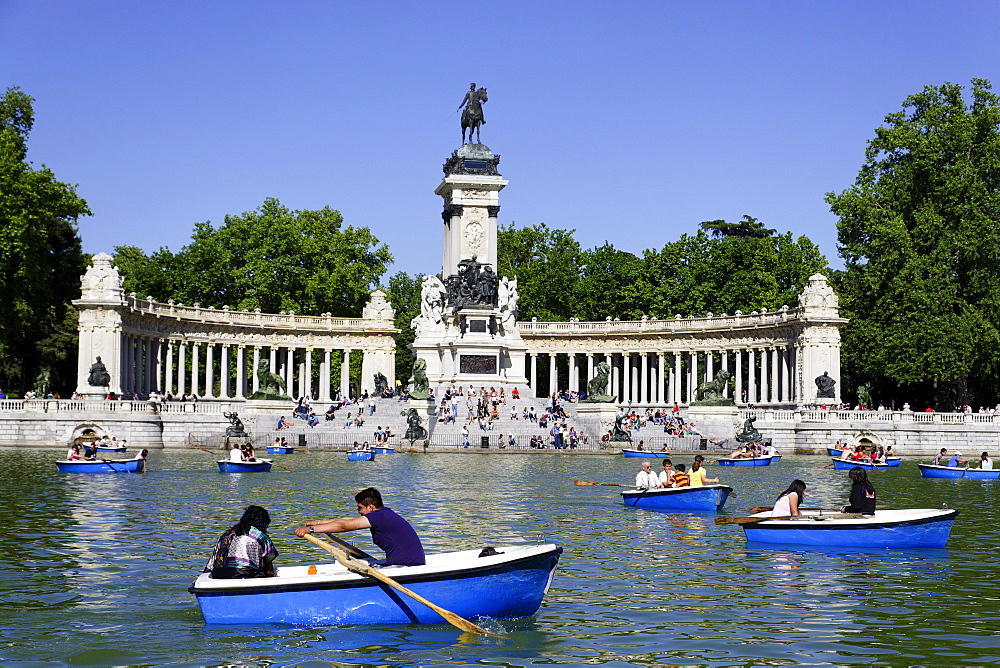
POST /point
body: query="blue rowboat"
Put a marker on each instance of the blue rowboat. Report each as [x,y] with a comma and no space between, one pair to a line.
[628,452]
[280,450]
[708,497]
[893,462]
[932,471]
[745,461]
[896,529]
[505,585]
[834,452]
[383,449]
[259,466]
[100,466]
[847,465]
[775,459]
[360,455]
[108,448]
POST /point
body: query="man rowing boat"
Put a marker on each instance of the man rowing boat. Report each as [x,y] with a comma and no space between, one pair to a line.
[390,532]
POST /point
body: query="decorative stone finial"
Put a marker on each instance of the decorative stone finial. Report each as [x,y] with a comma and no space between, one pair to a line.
[378,308]
[102,282]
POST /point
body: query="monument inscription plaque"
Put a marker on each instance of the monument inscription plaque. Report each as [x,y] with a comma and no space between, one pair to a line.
[483,364]
[477,326]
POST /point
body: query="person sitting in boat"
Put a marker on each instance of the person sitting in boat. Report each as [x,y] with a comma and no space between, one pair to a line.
[667,474]
[390,532]
[74,453]
[90,452]
[862,499]
[858,454]
[957,460]
[698,476]
[739,453]
[236,454]
[245,550]
[680,477]
[645,478]
[247,453]
[889,452]
[141,455]
[939,456]
[640,446]
[284,442]
[788,502]
[985,462]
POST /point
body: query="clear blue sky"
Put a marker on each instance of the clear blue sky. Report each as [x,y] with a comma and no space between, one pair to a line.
[629,122]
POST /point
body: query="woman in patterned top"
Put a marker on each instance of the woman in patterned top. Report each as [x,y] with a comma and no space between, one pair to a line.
[245,551]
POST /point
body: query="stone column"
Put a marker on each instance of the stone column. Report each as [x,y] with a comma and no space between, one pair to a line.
[615,376]
[738,373]
[159,366]
[644,378]
[692,377]
[675,379]
[209,363]
[660,390]
[724,358]
[709,364]
[752,376]
[534,374]
[169,385]
[224,372]
[775,378]
[324,378]
[786,389]
[626,395]
[553,379]
[290,370]
[309,374]
[194,368]
[764,383]
[241,372]
[590,369]
[254,380]
[181,368]
[345,374]
[148,382]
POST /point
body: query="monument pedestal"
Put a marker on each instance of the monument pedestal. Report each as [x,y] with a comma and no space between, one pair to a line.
[718,422]
[598,419]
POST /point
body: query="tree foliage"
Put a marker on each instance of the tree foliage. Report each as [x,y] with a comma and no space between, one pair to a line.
[272,259]
[404,294]
[41,258]
[746,227]
[919,236]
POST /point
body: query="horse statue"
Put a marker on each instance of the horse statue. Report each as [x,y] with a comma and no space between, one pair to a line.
[414,429]
[472,116]
[712,390]
[235,428]
[421,386]
[597,387]
[270,385]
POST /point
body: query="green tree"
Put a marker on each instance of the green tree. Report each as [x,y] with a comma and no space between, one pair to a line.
[747,227]
[272,259]
[546,264]
[612,284]
[920,241]
[41,258]
[404,294]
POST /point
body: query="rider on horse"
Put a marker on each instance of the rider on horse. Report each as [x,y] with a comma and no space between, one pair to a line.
[472,117]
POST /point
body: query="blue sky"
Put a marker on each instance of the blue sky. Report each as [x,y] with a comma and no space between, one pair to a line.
[628,122]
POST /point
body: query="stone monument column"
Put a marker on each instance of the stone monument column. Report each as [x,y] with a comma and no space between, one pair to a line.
[101,304]
[819,342]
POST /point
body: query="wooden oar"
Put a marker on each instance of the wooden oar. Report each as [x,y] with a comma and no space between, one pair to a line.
[761,509]
[754,520]
[365,569]
[599,484]
[263,460]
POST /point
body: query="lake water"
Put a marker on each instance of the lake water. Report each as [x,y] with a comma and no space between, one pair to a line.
[97,566]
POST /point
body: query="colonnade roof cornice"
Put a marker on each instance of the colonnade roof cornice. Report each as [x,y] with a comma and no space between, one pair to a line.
[246,326]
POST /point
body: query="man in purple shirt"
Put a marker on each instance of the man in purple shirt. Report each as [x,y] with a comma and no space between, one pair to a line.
[389,531]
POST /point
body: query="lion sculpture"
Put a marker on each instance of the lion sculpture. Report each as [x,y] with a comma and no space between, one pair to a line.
[270,385]
[712,390]
[597,387]
[421,386]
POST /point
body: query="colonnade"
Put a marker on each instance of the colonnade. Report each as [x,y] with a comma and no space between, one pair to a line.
[760,375]
[227,370]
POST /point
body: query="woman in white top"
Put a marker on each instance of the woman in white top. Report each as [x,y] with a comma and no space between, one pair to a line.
[787,504]
[985,462]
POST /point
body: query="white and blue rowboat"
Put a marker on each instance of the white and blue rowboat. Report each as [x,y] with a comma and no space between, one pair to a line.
[108,448]
[383,449]
[360,455]
[707,498]
[259,466]
[933,471]
[834,452]
[847,465]
[745,461]
[894,529]
[280,450]
[629,452]
[893,462]
[100,466]
[775,458]
[506,585]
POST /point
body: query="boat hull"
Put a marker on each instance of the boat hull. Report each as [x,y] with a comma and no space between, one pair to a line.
[706,498]
[280,450]
[745,461]
[834,452]
[893,462]
[644,453]
[847,465]
[360,456]
[508,585]
[956,473]
[893,529]
[775,459]
[384,450]
[105,449]
[98,466]
[260,466]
